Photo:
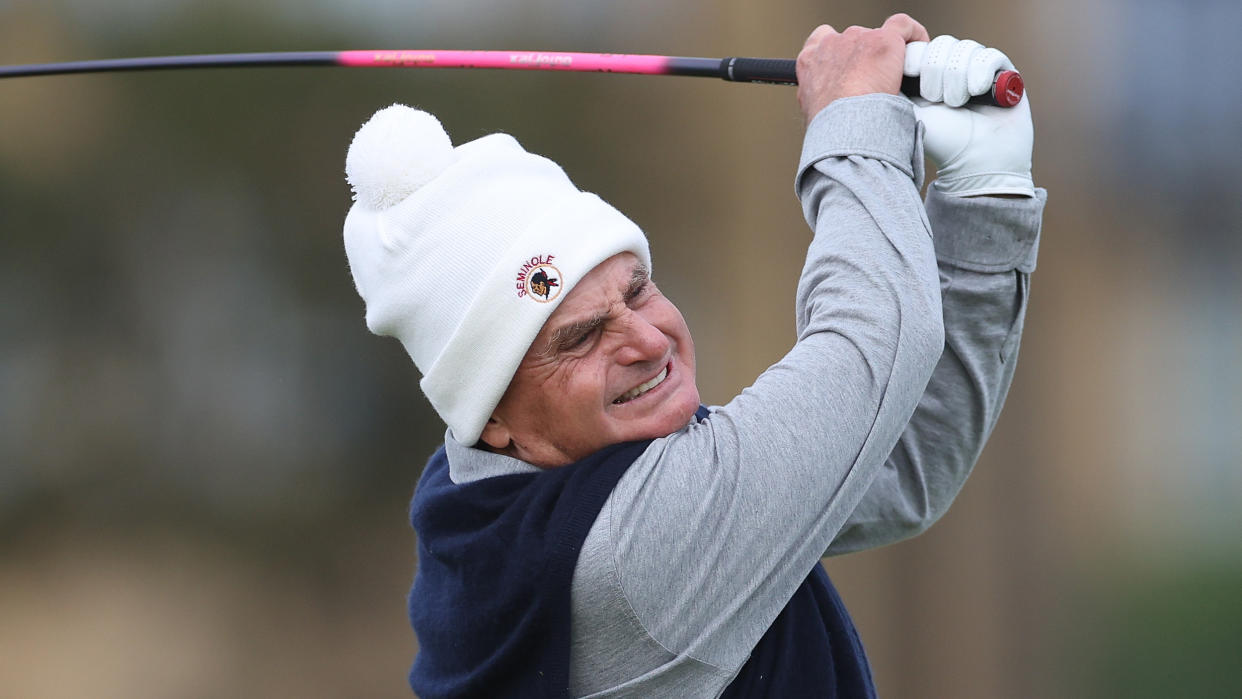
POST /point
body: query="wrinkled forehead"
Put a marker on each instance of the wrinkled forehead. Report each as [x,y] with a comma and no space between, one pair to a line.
[603,285]
[607,284]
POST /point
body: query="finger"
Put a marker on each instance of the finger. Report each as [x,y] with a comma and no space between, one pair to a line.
[931,85]
[955,72]
[812,47]
[907,27]
[820,32]
[983,68]
[914,57]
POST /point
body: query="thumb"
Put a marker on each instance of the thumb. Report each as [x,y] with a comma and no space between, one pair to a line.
[946,130]
[914,58]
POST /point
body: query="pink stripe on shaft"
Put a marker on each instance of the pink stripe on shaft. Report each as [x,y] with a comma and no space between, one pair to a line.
[512,60]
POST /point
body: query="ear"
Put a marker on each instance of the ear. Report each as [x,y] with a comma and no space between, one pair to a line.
[496,434]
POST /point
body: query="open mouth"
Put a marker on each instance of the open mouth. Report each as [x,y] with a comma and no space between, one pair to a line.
[642,388]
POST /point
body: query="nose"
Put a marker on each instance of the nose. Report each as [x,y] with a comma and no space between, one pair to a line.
[641,340]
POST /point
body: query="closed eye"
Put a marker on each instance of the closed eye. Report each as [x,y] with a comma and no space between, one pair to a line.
[576,335]
[638,286]
[576,342]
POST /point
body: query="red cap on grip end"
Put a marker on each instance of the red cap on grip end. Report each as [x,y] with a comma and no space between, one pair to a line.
[1008,88]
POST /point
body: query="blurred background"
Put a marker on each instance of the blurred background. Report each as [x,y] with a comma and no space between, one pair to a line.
[205,459]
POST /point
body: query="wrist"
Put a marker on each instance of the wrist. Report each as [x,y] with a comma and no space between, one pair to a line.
[987,184]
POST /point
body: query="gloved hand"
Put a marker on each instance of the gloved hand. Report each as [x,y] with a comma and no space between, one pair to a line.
[977,149]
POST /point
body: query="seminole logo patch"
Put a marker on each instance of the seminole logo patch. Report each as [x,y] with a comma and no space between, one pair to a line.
[539,279]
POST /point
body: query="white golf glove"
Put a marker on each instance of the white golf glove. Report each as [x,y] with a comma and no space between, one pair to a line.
[977,149]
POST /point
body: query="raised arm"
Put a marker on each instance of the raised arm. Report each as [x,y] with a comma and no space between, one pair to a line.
[713,528]
[986,248]
[985,214]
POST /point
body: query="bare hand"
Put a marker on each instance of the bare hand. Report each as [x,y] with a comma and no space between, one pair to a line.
[858,61]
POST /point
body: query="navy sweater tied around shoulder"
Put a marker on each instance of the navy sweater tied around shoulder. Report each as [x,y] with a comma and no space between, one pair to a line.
[491,601]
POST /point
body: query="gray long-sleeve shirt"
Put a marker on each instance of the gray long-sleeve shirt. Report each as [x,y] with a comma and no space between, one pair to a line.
[860,436]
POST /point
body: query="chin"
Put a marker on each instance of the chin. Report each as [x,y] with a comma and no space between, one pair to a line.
[676,415]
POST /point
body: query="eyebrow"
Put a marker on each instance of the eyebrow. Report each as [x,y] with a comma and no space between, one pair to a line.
[566,334]
[638,280]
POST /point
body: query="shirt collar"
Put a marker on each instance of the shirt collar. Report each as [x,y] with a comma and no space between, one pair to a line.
[467,464]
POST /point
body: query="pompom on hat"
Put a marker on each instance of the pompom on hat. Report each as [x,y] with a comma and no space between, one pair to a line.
[463,253]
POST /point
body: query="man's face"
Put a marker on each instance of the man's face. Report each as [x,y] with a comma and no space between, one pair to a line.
[613,363]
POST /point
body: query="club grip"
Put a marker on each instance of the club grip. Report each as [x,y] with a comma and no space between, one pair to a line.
[779,71]
[1006,90]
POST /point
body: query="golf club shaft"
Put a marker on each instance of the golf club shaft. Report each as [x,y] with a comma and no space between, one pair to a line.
[1006,89]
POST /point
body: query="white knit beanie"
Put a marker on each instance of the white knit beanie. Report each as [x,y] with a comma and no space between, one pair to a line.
[463,253]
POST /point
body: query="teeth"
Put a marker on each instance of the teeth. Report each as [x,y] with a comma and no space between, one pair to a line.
[643,388]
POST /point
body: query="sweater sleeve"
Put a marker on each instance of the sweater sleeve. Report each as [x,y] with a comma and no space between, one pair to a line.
[712,530]
[986,249]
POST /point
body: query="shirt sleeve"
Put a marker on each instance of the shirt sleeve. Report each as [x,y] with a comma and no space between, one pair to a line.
[710,532]
[986,249]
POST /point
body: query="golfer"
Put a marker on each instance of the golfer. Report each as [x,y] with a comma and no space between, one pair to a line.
[588,529]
